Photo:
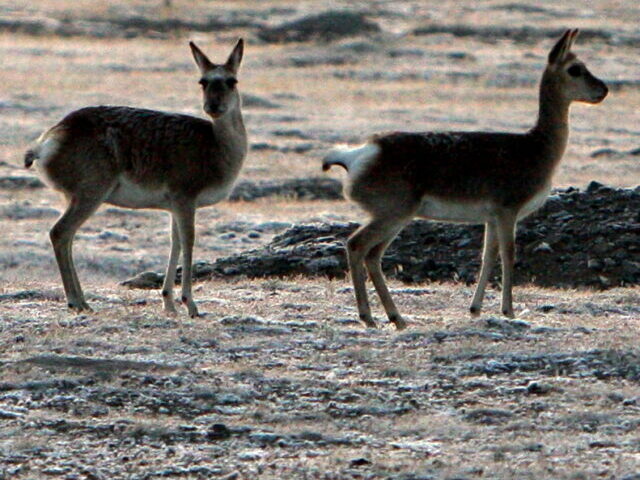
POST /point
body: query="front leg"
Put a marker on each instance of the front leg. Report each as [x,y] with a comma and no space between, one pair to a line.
[489,255]
[170,276]
[185,218]
[506,239]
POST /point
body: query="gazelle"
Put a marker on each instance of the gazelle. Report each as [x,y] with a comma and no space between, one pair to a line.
[138,158]
[469,177]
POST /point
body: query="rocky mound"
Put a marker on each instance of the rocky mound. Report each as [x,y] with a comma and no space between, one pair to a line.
[330,25]
[579,238]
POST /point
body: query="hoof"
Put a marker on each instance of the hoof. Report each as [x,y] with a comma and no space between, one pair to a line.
[508,313]
[398,321]
[79,307]
[475,311]
[193,310]
[368,321]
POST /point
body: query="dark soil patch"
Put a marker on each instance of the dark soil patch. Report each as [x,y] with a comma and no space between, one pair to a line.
[331,25]
[579,238]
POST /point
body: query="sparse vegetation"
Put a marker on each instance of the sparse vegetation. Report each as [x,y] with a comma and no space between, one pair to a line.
[278,380]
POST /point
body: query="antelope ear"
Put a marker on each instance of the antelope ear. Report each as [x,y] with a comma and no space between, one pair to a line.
[233,62]
[561,48]
[204,64]
[572,38]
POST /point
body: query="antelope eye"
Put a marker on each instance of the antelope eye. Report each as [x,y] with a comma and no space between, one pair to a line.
[231,82]
[574,71]
[203,82]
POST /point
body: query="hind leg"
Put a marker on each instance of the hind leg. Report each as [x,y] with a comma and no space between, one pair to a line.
[79,209]
[379,230]
[373,263]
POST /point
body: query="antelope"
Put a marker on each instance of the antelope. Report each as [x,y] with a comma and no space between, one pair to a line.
[138,158]
[463,177]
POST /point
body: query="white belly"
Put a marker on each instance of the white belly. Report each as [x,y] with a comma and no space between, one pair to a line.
[212,195]
[535,203]
[133,195]
[480,211]
[435,208]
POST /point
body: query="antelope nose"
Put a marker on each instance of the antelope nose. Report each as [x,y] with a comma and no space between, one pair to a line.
[214,109]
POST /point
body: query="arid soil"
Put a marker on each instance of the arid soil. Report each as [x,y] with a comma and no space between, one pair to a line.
[277,379]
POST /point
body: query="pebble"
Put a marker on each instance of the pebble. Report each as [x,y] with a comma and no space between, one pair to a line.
[250,455]
[539,388]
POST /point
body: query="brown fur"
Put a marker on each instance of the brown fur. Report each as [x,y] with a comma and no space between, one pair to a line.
[151,148]
[140,158]
[475,177]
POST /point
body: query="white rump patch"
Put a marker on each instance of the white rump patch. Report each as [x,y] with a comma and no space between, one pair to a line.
[47,149]
[355,159]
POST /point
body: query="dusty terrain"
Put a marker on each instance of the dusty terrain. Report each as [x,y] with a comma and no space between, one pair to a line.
[276,380]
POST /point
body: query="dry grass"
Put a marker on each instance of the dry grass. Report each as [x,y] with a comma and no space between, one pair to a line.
[584,427]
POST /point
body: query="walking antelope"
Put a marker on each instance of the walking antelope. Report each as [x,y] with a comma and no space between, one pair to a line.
[136,158]
[469,177]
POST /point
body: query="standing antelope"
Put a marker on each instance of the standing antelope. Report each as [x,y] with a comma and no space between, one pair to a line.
[138,158]
[470,177]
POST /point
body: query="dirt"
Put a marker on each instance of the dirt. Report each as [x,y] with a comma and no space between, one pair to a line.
[277,379]
[587,238]
[244,396]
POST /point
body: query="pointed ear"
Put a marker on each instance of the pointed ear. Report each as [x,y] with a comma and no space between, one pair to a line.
[572,38]
[204,64]
[561,48]
[233,62]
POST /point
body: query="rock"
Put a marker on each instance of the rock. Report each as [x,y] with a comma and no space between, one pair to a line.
[218,431]
[594,186]
[25,295]
[318,188]
[330,25]
[516,33]
[24,211]
[232,476]
[603,444]
[108,235]
[20,183]
[359,462]
[543,247]
[605,152]
[145,280]
[264,438]
[254,101]
[250,455]
[322,59]
[7,415]
[295,133]
[488,416]
[240,320]
[506,324]
[546,308]
[539,388]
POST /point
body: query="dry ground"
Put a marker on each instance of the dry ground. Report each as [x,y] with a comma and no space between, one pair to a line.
[301,389]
